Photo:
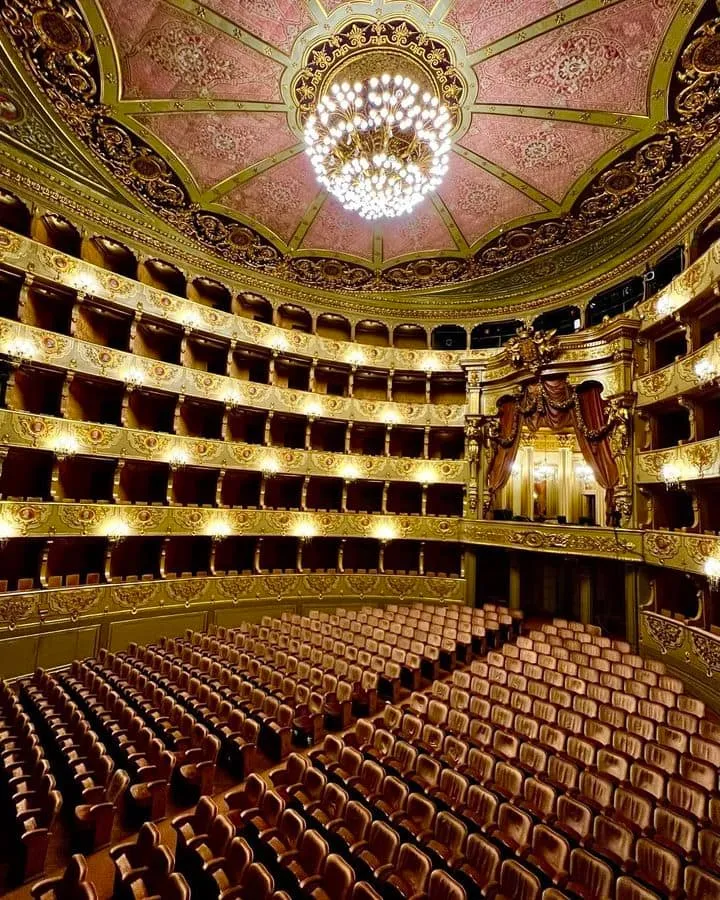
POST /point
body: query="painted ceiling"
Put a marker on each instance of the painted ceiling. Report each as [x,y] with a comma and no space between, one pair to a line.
[569,113]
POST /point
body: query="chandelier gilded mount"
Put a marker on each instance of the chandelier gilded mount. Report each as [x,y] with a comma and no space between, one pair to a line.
[380,146]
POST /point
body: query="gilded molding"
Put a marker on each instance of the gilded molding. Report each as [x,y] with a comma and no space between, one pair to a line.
[39,519]
[636,175]
[61,351]
[679,377]
[693,461]
[93,603]
[698,279]
[64,436]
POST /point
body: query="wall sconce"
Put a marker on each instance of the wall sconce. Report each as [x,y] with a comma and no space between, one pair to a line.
[355,356]
[516,467]
[390,417]
[21,349]
[350,472]
[279,342]
[269,466]
[134,377]
[712,572]
[218,529]
[426,475]
[431,364]
[545,471]
[190,318]
[313,408]
[178,457]
[116,530]
[668,302]
[705,370]
[88,282]
[66,445]
[233,398]
[671,474]
[385,532]
[305,530]
[6,532]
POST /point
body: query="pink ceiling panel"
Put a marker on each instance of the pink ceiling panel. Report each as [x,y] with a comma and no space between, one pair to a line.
[421,232]
[549,155]
[166,53]
[481,23]
[279,197]
[214,145]
[278,22]
[479,202]
[602,61]
[334,228]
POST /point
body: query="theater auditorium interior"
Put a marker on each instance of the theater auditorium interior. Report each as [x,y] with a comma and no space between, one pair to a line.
[360,449]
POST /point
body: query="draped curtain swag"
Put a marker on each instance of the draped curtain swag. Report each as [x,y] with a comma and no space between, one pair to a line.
[556,403]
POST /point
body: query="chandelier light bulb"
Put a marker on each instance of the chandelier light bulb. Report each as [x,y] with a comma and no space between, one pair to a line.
[377,146]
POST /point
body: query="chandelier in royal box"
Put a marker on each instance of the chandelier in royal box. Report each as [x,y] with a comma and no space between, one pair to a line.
[379,146]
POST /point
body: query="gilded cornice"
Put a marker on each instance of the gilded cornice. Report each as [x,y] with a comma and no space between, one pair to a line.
[36,519]
[39,183]
[27,611]
[59,351]
[679,377]
[63,436]
[692,461]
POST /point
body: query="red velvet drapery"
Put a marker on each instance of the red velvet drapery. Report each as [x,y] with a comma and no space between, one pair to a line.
[591,428]
[509,429]
[552,401]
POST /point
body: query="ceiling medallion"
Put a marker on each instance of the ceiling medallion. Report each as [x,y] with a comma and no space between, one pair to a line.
[363,49]
[379,146]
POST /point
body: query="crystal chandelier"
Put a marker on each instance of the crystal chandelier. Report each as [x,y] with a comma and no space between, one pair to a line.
[544,471]
[380,146]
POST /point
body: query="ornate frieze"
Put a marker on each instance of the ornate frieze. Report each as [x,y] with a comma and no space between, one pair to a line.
[92,603]
[67,437]
[25,342]
[693,461]
[682,376]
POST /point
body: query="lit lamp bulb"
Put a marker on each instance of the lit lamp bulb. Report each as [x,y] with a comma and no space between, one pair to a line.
[712,571]
[20,349]
[671,474]
[584,472]
[705,370]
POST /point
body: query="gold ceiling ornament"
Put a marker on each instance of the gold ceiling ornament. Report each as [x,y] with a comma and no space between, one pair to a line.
[362,49]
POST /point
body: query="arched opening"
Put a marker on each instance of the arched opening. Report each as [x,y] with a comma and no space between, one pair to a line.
[56,232]
[373,333]
[334,327]
[210,293]
[565,320]
[449,337]
[410,337]
[13,213]
[295,318]
[253,306]
[665,269]
[615,301]
[162,275]
[110,254]
[489,335]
